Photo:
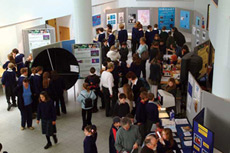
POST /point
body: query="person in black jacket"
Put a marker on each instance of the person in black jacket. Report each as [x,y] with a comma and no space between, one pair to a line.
[124,51]
[104,50]
[94,80]
[24,94]
[136,65]
[101,36]
[9,83]
[111,39]
[122,108]
[164,35]
[112,135]
[152,113]
[179,37]
[28,64]
[134,37]
[47,113]
[167,143]
[122,34]
[89,144]
[37,86]
[154,51]
[149,35]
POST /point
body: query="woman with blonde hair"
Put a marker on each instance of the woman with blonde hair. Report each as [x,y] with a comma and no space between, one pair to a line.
[129,94]
[122,34]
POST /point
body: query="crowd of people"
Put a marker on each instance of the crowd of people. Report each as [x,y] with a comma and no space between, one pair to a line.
[124,90]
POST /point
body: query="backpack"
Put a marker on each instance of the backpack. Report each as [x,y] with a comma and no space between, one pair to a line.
[145,55]
[92,83]
[88,101]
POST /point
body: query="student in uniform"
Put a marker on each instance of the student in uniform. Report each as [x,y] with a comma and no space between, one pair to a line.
[124,51]
[94,80]
[106,85]
[170,40]
[89,143]
[31,78]
[28,63]
[104,50]
[134,37]
[18,60]
[167,143]
[9,83]
[113,132]
[140,34]
[48,86]
[126,89]
[155,30]
[152,114]
[86,98]
[122,108]
[10,60]
[135,66]
[111,39]
[24,95]
[122,34]
[162,47]
[101,36]
[179,37]
[113,54]
[37,86]
[154,51]
[143,48]
[164,35]
[149,35]
[46,112]
[24,74]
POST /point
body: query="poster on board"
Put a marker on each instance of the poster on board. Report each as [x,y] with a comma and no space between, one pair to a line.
[121,17]
[144,17]
[96,20]
[112,19]
[166,17]
[88,55]
[132,18]
[38,38]
[185,19]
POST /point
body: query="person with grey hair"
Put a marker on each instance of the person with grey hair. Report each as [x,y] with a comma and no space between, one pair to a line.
[128,138]
[150,144]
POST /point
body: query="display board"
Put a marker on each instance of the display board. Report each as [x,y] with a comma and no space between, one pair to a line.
[96,20]
[88,55]
[38,38]
[121,17]
[144,17]
[193,98]
[67,44]
[203,138]
[184,19]
[166,17]
[132,18]
[112,19]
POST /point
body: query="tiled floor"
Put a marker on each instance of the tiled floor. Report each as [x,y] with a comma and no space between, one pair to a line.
[69,131]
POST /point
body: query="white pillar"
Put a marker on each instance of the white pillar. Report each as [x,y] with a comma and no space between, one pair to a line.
[221,77]
[83,21]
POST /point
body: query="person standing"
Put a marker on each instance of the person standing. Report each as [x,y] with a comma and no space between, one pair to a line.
[86,98]
[150,144]
[179,37]
[143,48]
[128,137]
[122,34]
[113,132]
[9,83]
[149,35]
[89,143]
[106,85]
[18,60]
[134,37]
[46,112]
[37,86]
[24,95]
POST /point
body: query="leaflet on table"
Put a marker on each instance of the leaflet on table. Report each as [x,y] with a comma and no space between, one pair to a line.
[186,134]
[167,122]
[181,121]
[188,143]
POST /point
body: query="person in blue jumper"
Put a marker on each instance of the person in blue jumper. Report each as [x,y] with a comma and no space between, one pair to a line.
[89,143]
[24,95]
[47,113]
[112,135]
[111,39]
[152,113]
[86,98]
[18,60]
[149,35]
[122,34]
[9,83]
[24,74]
[37,86]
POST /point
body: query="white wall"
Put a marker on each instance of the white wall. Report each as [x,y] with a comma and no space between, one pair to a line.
[66,21]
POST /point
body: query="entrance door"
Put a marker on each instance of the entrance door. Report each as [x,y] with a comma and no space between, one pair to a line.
[64,33]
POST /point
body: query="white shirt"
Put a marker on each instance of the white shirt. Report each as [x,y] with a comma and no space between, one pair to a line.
[113,55]
[107,81]
[135,82]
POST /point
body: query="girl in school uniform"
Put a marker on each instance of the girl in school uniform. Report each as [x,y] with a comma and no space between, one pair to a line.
[86,98]
[18,60]
[122,34]
[89,143]
[47,113]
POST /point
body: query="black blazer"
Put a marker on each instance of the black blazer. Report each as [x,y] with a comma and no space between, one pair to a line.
[136,89]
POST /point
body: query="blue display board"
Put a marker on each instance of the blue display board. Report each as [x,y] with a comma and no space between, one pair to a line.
[68,45]
[96,20]
[203,138]
[198,21]
[184,19]
[166,17]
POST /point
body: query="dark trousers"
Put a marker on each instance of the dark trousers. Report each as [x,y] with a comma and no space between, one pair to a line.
[148,126]
[107,100]
[10,94]
[86,117]
[26,116]
[98,93]
[142,132]
[35,103]
[114,98]
[143,68]
[134,47]
[60,99]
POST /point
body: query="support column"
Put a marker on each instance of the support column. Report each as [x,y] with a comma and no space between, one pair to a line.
[221,77]
[83,21]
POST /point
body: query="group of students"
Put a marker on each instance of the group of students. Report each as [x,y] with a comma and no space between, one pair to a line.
[39,94]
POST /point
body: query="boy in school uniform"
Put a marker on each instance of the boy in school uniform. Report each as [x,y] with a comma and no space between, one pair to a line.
[101,36]
[122,109]
[124,51]
[111,39]
[113,132]
[9,83]
[18,60]
[104,49]
[94,80]
[122,34]
[155,30]
[152,113]
[149,35]
[37,86]
[24,74]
